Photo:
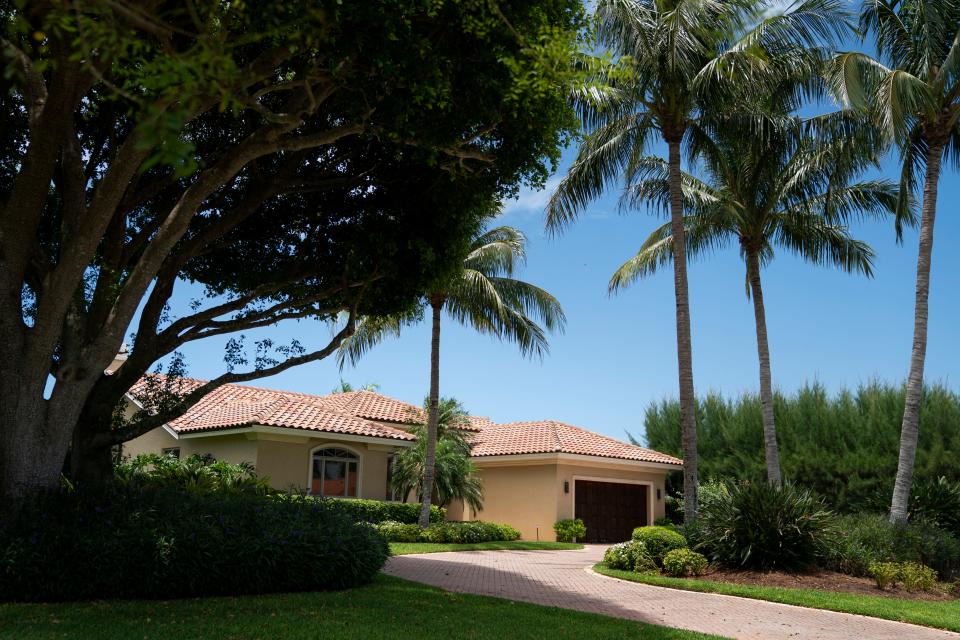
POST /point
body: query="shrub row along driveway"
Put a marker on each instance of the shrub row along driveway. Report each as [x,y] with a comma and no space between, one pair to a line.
[563,579]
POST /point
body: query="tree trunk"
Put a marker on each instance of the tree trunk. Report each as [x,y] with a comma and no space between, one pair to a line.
[91,455]
[771,451]
[910,428]
[688,408]
[436,304]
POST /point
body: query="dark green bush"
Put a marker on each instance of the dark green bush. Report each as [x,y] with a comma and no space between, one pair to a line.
[570,530]
[759,526]
[936,501]
[448,532]
[659,541]
[196,474]
[927,544]
[165,543]
[374,511]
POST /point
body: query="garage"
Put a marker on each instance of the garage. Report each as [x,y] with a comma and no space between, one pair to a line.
[610,510]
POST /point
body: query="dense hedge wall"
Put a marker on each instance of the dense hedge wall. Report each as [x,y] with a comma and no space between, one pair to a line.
[375,511]
[453,532]
[166,544]
[842,446]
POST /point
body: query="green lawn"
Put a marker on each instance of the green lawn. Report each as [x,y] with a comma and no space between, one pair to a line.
[387,608]
[403,548]
[943,614]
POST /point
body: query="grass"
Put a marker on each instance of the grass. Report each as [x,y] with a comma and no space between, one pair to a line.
[388,608]
[942,614]
[404,548]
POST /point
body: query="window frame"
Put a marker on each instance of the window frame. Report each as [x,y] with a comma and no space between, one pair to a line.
[173,452]
[358,460]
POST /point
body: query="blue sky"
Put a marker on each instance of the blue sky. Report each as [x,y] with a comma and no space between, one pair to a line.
[618,354]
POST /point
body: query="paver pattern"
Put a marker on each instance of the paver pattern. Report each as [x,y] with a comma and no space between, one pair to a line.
[564,579]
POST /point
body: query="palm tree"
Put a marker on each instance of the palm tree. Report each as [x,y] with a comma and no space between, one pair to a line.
[914,96]
[679,62]
[454,475]
[789,190]
[483,295]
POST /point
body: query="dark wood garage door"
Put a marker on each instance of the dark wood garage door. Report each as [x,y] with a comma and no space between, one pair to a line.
[610,510]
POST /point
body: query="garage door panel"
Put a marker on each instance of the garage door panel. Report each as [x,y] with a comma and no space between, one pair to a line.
[610,510]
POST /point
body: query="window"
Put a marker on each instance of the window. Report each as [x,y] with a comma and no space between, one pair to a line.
[173,452]
[334,473]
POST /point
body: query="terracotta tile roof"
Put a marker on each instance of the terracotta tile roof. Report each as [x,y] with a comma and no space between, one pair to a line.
[233,405]
[550,436]
[363,413]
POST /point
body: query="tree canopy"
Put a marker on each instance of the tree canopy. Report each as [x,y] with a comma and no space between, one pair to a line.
[300,159]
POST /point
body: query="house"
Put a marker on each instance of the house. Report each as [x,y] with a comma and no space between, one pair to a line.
[342,445]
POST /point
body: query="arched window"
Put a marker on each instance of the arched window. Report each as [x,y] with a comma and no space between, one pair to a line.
[335,473]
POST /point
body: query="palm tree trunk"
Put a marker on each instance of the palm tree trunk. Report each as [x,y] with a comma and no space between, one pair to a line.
[436,304]
[910,428]
[688,408]
[771,452]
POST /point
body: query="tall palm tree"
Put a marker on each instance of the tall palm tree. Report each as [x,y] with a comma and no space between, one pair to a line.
[454,472]
[483,295]
[790,190]
[913,91]
[679,62]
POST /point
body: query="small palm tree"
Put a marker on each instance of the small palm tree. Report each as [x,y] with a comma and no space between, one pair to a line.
[454,476]
[915,100]
[790,190]
[681,62]
[483,295]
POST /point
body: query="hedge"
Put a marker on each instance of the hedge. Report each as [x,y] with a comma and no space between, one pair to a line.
[375,511]
[167,544]
[451,532]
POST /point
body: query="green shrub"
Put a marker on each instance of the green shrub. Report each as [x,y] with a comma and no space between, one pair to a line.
[928,544]
[371,511]
[885,574]
[643,563]
[759,526]
[622,555]
[448,532]
[665,522]
[861,540]
[684,562]
[570,530]
[196,474]
[917,577]
[659,541]
[166,543]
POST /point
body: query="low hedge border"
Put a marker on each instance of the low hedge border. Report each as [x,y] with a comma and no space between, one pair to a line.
[449,532]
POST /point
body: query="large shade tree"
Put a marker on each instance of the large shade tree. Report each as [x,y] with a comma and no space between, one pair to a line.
[482,294]
[148,143]
[913,92]
[679,64]
[791,189]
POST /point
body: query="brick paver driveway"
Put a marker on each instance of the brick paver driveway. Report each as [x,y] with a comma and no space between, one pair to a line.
[562,579]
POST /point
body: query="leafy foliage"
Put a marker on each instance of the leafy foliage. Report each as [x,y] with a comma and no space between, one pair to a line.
[196,474]
[448,532]
[843,445]
[630,556]
[760,526]
[659,541]
[884,573]
[373,511]
[151,542]
[684,562]
[570,530]
[454,475]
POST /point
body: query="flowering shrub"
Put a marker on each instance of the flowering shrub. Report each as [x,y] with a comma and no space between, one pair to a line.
[630,556]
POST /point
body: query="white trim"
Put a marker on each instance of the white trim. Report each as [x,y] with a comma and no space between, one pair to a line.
[352,450]
[574,457]
[307,433]
[650,491]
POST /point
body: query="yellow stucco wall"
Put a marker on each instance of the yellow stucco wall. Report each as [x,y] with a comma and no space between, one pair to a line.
[285,460]
[521,496]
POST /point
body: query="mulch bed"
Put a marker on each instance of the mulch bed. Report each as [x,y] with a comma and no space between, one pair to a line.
[823,580]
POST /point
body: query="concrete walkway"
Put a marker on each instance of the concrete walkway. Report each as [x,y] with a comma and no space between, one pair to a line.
[563,579]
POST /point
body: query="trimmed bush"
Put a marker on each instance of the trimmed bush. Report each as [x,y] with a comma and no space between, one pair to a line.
[684,562]
[884,573]
[659,541]
[630,556]
[163,543]
[448,532]
[570,530]
[375,511]
[759,526]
